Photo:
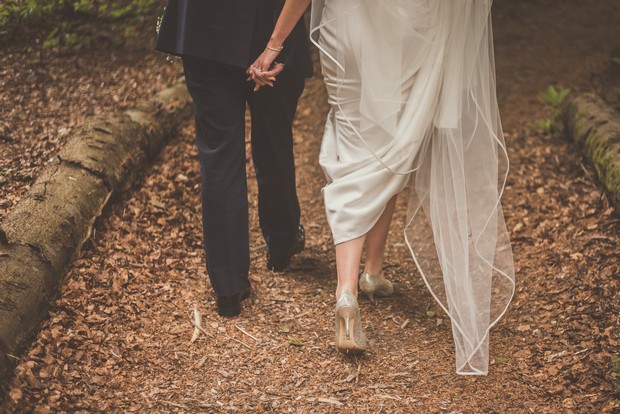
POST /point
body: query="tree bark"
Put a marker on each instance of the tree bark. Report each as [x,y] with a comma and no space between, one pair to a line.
[595,126]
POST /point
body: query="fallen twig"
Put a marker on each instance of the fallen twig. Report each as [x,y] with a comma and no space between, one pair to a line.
[202,362]
[241,342]
[329,401]
[197,322]
[243,331]
[200,328]
[185,407]
[257,248]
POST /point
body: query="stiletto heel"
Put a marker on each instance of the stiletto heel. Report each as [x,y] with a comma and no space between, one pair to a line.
[375,285]
[349,333]
[347,314]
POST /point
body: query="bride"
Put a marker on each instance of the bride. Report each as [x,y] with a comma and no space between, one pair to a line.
[411,85]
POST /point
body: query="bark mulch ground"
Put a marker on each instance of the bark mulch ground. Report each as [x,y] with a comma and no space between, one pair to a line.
[46,94]
[118,336]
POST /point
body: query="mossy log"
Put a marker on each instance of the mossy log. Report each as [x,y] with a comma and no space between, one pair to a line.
[45,231]
[595,126]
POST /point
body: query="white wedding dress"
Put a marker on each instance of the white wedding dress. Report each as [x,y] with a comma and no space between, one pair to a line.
[411,84]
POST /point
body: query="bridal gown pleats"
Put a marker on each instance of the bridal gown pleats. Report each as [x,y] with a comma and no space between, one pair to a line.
[411,85]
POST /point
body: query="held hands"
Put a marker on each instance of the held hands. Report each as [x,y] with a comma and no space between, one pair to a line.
[263,71]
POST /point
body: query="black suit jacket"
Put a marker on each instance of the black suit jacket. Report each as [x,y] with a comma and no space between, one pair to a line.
[233,32]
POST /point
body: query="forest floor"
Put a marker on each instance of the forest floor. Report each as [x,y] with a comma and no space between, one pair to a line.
[118,335]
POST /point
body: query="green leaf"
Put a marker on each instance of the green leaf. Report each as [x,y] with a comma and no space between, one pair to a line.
[502,360]
[122,12]
[431,314]
[52,39]
[555,97]
[552,94]
[295,342]
[563,94]
[546,125]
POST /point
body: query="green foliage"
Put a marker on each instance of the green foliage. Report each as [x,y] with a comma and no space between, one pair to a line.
[555,98]
[52,39]
[295,342]
[546,125]
[66,35]
[14,12]
[615,367]
[60,16]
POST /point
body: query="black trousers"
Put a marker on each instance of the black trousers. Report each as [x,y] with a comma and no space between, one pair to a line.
[220,93]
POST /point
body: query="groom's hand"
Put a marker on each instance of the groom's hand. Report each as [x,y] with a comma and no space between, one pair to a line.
[267,78]
[263,71]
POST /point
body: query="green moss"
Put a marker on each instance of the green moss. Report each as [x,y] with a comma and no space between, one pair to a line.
[593,126]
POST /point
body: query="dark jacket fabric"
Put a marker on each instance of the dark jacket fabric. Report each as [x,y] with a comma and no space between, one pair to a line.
[233,32]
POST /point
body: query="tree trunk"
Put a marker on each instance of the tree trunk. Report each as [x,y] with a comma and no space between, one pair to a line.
[595,126]
[45,231]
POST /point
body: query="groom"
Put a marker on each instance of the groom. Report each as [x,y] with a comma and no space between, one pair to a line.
[218,39]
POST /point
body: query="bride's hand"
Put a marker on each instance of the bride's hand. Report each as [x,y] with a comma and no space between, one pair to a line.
[263,71]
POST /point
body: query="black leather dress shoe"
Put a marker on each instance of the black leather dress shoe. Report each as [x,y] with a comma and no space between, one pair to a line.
[280,263]
[230,305]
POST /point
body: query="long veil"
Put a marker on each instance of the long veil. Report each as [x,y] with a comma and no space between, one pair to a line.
[428,80]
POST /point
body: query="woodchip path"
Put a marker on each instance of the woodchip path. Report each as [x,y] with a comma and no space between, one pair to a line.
[118,336]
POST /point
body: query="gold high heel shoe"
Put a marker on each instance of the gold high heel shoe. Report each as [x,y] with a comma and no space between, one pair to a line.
[374,285]
[349,333]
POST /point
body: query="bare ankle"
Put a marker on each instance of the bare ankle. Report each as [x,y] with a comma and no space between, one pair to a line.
[375,270]
[352,289]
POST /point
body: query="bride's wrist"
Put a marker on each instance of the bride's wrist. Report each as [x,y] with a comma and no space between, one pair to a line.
[275,49]
[275,43]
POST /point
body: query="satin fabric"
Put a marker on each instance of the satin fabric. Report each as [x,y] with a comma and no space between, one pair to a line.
[412,89]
